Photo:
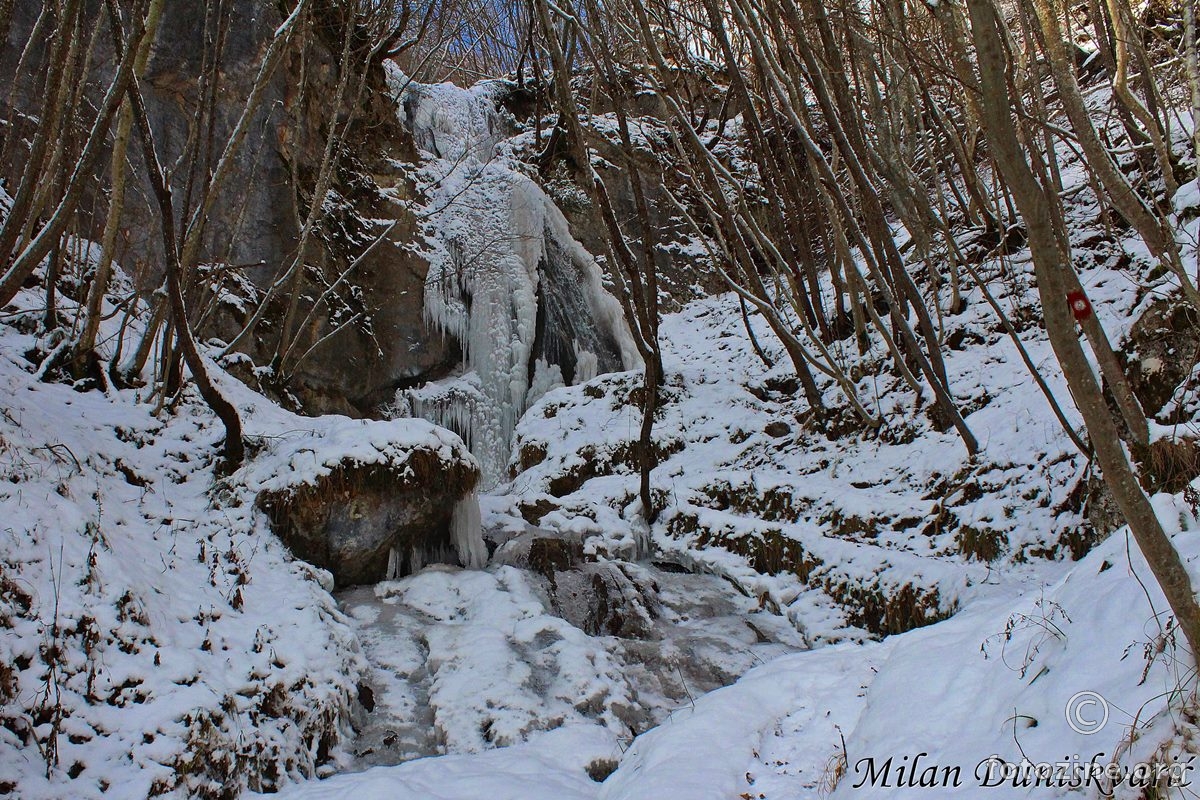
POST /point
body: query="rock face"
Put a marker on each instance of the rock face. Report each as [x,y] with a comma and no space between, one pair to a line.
[382,342]
[371,331]
[387,499]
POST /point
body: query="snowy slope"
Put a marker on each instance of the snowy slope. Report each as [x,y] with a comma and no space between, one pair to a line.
[994,682]
[551,767]
[883,531]
[744,470]
[157,634]
[824,528]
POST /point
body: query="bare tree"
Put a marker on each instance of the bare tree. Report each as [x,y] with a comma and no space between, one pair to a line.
[25,239]
[234,449]
[639,291]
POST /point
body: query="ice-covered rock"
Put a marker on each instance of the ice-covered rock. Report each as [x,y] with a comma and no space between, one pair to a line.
[601,598]
[525,300]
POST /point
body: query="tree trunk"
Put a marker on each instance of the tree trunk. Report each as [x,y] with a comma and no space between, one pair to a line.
[86,343]
[234,448]
[24,263]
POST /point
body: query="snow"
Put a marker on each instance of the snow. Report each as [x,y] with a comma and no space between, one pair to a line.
[191,640]
[313,447]
[187,630]
[719,746]
[1095,630]
[550,767]
[1187,198]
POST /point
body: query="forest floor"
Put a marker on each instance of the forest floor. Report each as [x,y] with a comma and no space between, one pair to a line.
[159,638]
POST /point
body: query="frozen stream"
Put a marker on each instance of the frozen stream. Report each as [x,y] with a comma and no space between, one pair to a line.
[464,661]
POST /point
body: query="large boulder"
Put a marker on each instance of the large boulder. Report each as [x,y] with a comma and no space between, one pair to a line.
[369,501]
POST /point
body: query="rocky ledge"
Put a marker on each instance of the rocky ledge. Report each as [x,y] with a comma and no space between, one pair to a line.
[369,500]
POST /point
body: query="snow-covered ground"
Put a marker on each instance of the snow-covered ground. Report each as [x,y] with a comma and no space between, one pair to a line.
[992,685]
[159,639]
[151,622]
[848,537]
[157,635]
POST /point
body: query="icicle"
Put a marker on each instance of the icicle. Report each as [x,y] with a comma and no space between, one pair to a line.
[545,377]
[466,532]
[643,542]
[393,567]
[587,365]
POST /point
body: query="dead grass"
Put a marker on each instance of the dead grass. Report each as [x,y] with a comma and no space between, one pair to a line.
[768,552]
[776,504]
[1168,465]
[894,611]
[981,543]
[622,458]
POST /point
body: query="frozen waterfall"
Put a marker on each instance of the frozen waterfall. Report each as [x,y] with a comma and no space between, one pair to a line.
[506,279]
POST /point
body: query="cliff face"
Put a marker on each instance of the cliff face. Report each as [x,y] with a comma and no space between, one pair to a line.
[252,234]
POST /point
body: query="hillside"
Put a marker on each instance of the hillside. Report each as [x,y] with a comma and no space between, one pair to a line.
[636,422]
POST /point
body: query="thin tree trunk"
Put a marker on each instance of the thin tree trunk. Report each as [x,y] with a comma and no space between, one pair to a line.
[26,262]
[1193,72]
[86,344]
[1122,40]
[1155,231]
[644,288]
[234,448]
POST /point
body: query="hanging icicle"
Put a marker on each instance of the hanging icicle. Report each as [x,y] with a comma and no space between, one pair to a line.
[467,533]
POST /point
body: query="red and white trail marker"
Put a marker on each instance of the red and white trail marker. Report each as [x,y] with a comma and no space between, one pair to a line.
[1081,308]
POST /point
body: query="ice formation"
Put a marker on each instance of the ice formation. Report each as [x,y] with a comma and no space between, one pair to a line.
[506,280]
[466,531]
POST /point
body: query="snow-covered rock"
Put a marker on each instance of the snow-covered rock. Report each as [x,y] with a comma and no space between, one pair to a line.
[372,500]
